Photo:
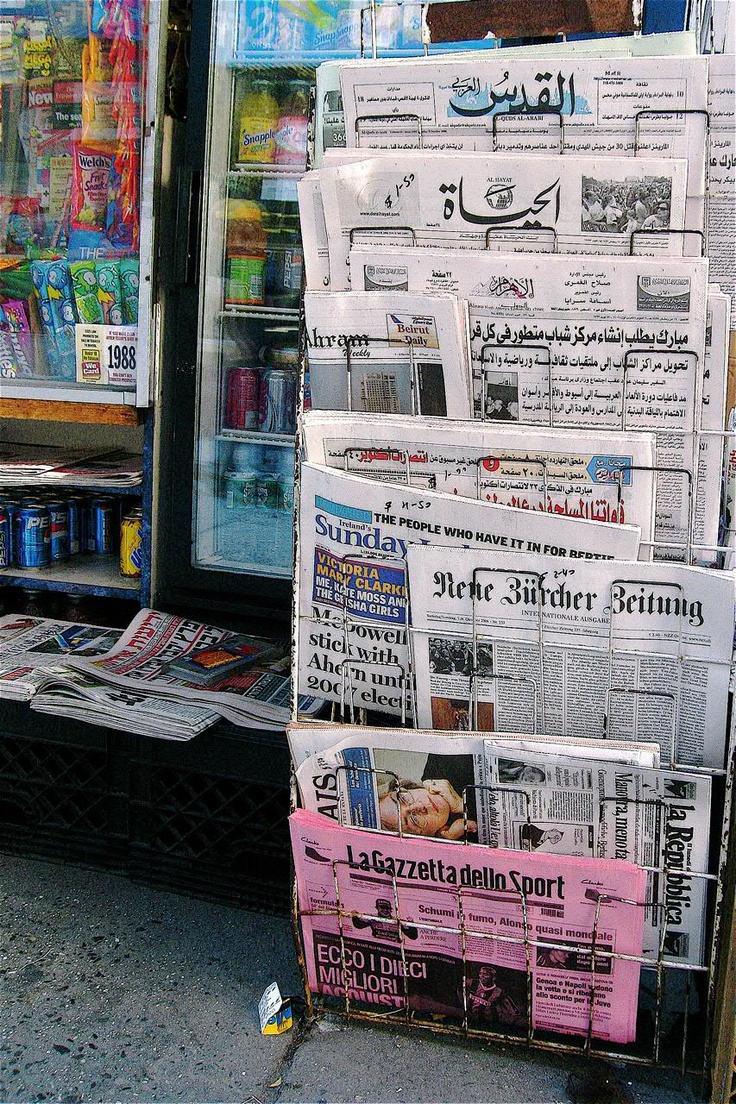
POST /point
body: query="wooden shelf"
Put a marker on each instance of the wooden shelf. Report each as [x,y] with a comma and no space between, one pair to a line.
[89,413]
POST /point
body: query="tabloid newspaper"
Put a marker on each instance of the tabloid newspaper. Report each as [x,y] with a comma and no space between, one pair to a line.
[524,643]
[721,209]
[29,645]
[503,104]
[537,796]
[462,200]
[255,698]
[396,356]
[591,342]
[352,600]
[600,476]
[450,930]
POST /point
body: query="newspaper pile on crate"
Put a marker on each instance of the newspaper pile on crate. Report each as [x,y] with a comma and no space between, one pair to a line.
[511,537]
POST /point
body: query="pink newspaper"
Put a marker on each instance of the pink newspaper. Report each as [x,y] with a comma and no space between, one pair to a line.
[498,939]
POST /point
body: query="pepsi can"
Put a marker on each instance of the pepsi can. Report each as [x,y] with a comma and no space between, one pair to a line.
[32,536]
[101,538]
[59,515]
[5,538]
[277,401]
[75,506]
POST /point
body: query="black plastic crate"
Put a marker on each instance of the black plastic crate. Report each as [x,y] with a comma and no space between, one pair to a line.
[63,789]
[210,816]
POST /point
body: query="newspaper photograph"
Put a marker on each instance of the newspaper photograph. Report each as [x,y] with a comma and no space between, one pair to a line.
[141,661]
[527,644]
[394,923]
[29,645]
[352,600]
[503,104]
[599,476]
[379,353]
[565,342]
[658,819]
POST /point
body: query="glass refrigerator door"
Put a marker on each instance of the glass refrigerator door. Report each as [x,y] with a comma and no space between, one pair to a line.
[75,222]
[250,289]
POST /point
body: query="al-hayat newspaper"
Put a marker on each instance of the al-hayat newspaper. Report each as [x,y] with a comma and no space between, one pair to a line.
[600,476]
[524,643]
[438,200]
[255,697]
[390,924]
[351,573]
[377,353]
[537,797]
[29,645]
[589,342]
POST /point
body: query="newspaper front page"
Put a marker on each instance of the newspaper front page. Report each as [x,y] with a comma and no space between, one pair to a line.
[589,342]
[354,535]
[598,476]
[527,644]
[450,930]
[721,209]
[373,352]
[28,645]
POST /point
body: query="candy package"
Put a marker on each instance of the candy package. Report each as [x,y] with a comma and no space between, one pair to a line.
[91,164]
[129,286]
[108,291]
[84,287]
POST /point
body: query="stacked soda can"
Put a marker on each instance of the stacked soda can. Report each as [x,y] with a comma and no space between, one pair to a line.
[261,399]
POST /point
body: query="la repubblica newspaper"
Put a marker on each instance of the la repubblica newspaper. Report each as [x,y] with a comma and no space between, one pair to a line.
[596,650]
[392,923]
[353,608]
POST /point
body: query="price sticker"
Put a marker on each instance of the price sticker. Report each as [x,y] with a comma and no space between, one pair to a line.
[107,355]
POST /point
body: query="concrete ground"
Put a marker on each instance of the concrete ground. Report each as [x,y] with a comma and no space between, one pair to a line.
[112,992]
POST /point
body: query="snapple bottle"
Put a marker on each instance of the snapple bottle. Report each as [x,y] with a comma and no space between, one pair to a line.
[291,130]
[259,120]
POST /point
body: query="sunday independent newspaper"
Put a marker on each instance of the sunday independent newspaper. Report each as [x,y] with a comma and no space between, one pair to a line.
[256,697]
[374,352]
[321,737]
[463,199]
[397,923]
[352,600]
[658,819]
[599,476]
[589,343]
[525,643]
[28,645]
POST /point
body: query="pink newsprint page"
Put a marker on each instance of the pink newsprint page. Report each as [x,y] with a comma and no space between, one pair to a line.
[387,916]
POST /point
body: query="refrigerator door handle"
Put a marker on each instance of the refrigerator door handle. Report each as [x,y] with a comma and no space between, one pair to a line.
[190,221]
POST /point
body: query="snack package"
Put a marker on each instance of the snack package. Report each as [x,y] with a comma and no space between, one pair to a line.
[108,291]
[24,226]
[129,286]
[122,212]
[50,288]
[91,164]
[85,290]
[14,322]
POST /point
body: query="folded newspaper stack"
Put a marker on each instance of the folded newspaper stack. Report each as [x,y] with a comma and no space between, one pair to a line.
[22,465]
[30,646]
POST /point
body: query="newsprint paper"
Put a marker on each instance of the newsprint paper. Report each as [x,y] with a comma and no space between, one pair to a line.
[373,352]
[255,698]
[599,476]
[352,601]
[29,645]
[573,341]
[390,923]
[530,796]
[527,643]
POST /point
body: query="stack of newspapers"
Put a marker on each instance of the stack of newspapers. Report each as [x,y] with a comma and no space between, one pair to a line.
[510,522]
[165,676]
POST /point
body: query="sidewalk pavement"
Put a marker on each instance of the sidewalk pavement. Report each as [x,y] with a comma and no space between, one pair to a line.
[113,992]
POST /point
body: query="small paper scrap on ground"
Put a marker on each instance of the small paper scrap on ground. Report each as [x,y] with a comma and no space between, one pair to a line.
[274,1011]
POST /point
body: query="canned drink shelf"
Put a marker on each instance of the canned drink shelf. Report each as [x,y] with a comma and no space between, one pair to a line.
[279,440]
[268,314]
[217,562]
[93,574]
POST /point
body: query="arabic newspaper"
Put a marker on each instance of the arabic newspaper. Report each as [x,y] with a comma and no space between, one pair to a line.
[38,465]
[589,342]
[256,697]
[373,352]
[64,692]
[28,645]
[450,930]
[599,476]
[320,737]
[525,643]
[442,199]
[721,209]
[352,600]
[502,104]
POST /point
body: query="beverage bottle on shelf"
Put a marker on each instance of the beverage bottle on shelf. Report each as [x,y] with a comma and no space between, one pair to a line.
[259,118]
[284,272]
[291,128]
[285,524]
[240,516]
[245,260]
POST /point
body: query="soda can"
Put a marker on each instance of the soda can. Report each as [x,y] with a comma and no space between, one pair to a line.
[32,536]
[241,402]
[269,490]
[277,408]
[59,514]
[6,540]
[75,505]
[100,534]
[241,489]
[131,550]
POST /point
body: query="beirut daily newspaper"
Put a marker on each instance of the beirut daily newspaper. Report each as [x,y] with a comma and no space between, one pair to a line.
[351,595]
[396,924]
[524,643]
